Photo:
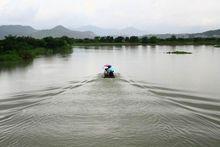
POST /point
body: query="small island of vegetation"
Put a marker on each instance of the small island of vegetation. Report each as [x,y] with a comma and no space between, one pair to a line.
[179,52]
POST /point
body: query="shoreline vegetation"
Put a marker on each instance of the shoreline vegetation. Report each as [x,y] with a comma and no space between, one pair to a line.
[25,49]
[134,40]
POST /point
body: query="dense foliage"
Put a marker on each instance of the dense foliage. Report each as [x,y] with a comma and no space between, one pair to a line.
[149,40]
[14,48]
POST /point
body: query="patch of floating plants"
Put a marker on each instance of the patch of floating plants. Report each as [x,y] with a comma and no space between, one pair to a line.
[179,52]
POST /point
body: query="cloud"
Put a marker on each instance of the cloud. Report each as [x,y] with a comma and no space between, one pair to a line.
[18,11]
[2,3]
[153,15]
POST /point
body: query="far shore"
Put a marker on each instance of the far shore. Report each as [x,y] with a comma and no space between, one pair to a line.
[19,49]
[136,44]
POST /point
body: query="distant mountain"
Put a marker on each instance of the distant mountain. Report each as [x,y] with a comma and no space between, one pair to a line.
[87,32]
[165,36]
[98,31]
[207,34]
[212,33]
[18,30]
[60,31]
[129,31]
[57,31]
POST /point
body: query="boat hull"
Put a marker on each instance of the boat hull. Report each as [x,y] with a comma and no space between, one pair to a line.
[108,76]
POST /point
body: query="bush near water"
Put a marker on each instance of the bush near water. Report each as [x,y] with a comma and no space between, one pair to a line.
[14,49]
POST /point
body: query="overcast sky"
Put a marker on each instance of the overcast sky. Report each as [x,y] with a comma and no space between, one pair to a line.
[155,16]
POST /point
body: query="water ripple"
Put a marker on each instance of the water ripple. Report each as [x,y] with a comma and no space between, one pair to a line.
[105,111]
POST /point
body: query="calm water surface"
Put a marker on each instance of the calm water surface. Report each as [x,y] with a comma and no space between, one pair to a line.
[156,100]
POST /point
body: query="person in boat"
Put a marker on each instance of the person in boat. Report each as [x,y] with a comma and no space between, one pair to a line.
[109,71]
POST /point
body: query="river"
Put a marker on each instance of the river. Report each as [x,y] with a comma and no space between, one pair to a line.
[157,99]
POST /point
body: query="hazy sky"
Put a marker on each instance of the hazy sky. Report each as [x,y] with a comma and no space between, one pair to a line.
[155,16]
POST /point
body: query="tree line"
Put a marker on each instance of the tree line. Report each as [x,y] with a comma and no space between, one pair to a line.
[14,48]
[153,40]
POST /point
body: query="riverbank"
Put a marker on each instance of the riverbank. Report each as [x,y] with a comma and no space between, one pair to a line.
[144,44]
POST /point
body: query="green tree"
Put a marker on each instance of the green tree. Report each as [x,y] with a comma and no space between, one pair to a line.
[153,40]
[109,39]
[103,39]
[134,39]
[127,39]
[119,39]
[145,40]
[97,39]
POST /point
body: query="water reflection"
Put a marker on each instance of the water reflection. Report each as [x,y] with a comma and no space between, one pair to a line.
[10,67]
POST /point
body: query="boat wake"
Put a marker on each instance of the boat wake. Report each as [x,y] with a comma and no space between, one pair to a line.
[119,108]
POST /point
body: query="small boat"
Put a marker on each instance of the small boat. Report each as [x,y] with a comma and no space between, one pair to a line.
[109,71]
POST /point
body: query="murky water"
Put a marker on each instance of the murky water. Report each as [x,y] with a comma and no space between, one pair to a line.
[156,100]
